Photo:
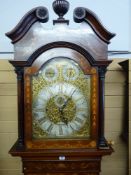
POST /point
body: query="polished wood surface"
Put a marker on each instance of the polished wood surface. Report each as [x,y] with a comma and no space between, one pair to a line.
[83,14]
[75,161]
[26,22]
[85,154]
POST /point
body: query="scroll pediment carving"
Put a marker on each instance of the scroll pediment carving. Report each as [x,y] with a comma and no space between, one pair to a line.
[37,14]
[83,14]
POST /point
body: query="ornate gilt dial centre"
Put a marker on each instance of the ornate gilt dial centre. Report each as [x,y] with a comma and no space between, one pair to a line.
[60,109]
[61,97]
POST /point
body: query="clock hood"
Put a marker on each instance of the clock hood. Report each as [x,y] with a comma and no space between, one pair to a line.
[33,32]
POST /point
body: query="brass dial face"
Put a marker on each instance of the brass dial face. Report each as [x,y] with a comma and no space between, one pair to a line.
[61,101]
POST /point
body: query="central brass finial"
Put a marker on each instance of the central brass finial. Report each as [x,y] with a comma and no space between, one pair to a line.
[61,7]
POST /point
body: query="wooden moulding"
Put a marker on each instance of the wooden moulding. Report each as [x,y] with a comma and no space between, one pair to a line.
[54,153]
[61,44]
[41,14]
[36,14]
[83,14]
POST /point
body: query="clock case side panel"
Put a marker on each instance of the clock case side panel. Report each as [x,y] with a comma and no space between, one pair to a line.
[83,61]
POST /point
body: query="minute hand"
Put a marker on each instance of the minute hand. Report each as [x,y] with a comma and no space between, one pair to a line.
[67,100]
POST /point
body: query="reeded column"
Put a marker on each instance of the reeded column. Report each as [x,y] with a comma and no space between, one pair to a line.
[102,141]
[20,91]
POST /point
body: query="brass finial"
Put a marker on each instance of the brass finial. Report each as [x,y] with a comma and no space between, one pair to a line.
[60,7]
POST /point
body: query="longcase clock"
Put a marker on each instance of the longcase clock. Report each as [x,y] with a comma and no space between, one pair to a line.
[60,76]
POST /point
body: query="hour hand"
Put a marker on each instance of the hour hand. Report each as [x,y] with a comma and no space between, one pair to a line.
[65,120]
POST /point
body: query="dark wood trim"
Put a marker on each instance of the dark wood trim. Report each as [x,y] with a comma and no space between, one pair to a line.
[60,21]
[19,63]
[56,152]
[83,14]
[102,141]
[34,15]
[61,44]
[20,88]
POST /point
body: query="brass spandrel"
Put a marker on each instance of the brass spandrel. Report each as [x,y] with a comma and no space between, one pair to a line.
[54,80]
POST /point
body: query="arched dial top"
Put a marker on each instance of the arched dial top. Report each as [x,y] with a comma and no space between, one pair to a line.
[61,100]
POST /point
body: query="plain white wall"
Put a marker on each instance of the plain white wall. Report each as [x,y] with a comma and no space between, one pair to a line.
[114,14]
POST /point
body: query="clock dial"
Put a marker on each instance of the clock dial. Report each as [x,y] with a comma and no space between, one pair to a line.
[50,73]
[70,72]
[61,101]
[58,113]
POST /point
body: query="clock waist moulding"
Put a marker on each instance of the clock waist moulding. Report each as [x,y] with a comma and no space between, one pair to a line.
[60,77]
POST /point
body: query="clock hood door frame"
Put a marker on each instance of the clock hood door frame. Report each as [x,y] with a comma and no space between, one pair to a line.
[40,57]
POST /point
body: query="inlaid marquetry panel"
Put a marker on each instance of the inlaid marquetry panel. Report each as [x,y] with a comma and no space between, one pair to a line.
[59,166]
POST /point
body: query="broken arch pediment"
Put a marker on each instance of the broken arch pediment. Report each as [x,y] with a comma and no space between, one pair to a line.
[30,34]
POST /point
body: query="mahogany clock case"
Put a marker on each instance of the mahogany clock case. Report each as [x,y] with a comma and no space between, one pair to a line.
[60,69]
